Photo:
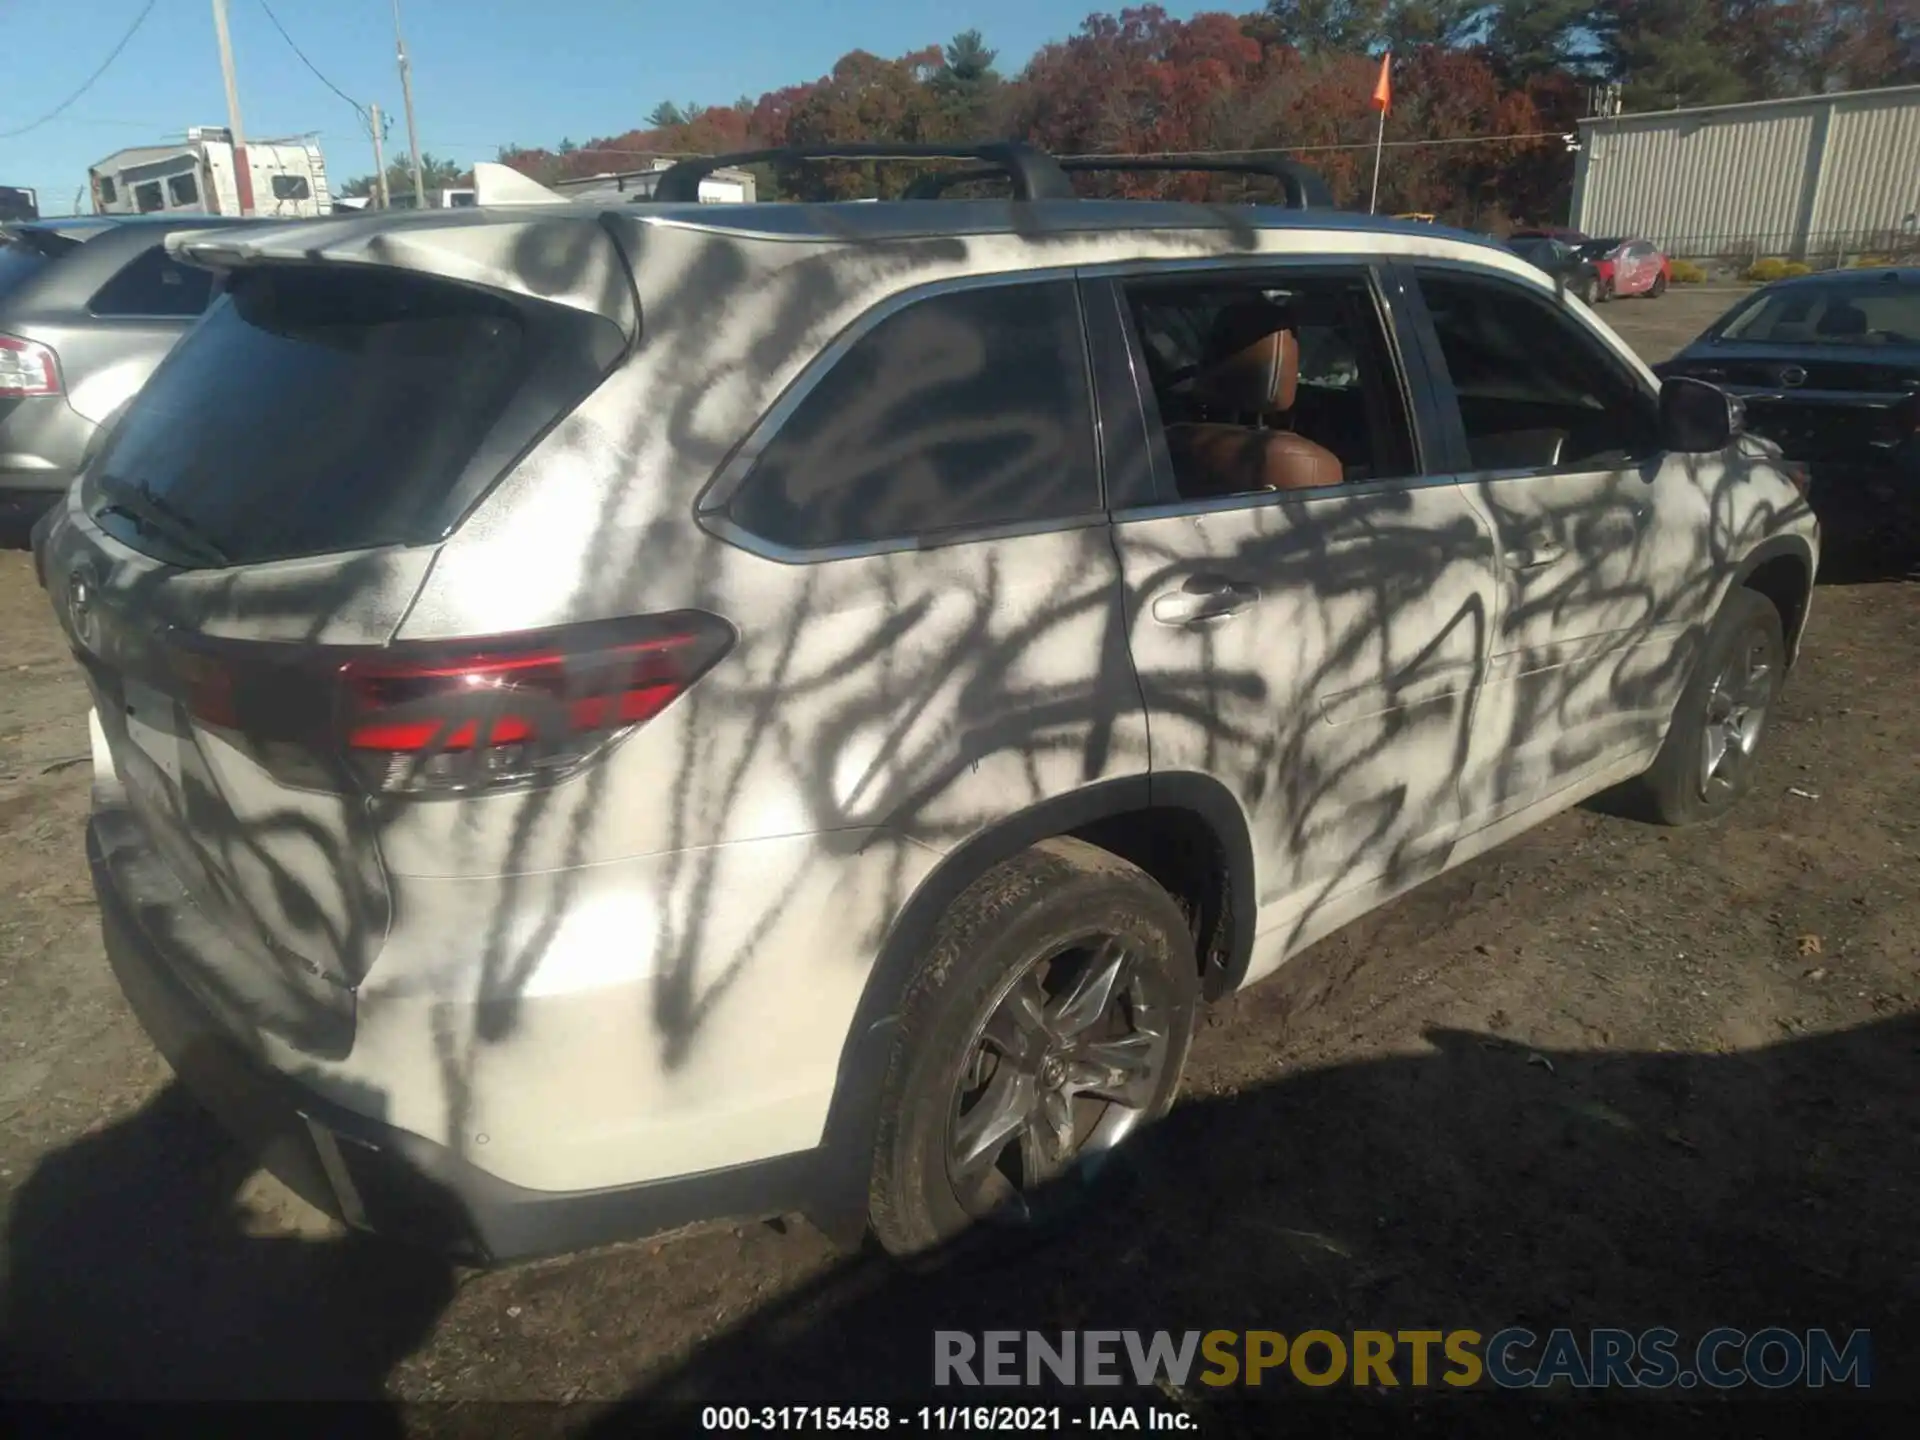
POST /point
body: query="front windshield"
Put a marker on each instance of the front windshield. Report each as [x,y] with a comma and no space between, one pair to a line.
[1857,312]
[1599,249]
[1536,250]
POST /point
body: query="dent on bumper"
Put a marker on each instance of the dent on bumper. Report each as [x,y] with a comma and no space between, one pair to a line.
[373,1175]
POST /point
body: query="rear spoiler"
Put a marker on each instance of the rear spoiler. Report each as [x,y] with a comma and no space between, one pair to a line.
[562,255]
[503,185]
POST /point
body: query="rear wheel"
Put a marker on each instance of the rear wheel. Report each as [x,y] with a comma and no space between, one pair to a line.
[1602,292]
[1050,1024]
[1708,758]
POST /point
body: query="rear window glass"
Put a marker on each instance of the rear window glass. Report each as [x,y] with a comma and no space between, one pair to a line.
[1866,312]
[316,411]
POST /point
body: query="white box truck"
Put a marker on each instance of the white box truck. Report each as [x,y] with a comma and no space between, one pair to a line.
[285,179]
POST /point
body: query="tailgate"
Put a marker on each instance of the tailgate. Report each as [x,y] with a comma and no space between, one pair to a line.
[292,876]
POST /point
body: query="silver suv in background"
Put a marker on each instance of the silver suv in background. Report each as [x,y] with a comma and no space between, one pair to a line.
[609,717]
[88,308]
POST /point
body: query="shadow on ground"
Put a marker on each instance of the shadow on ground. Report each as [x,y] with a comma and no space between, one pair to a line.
[130,1274]
[1473,1184]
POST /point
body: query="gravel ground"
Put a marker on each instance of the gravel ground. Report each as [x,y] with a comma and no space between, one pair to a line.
[1606,1075]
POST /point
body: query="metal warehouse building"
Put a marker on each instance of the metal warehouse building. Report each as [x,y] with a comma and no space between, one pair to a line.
[1809,177]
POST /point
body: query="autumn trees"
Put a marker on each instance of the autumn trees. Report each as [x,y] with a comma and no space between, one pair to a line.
[1483,90]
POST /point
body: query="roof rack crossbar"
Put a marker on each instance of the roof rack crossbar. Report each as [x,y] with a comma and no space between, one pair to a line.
[1304,188]
[1036,175]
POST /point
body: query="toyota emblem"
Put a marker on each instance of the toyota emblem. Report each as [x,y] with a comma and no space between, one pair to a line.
[1793,375]
[80,608]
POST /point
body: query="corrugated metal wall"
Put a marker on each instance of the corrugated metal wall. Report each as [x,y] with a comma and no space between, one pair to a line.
[1871,179]
[1830,172]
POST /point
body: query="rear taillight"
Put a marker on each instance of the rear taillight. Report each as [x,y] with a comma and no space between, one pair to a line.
[448,718]
[27,368]
[1798,475]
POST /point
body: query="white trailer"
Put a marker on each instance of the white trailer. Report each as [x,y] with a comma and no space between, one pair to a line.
[284,179]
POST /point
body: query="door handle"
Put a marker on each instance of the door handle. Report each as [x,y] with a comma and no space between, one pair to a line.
[1534,557]
[1202,598]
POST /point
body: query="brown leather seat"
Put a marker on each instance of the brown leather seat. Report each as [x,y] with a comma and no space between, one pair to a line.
[1256,374]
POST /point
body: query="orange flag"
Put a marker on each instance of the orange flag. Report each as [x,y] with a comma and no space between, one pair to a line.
[1383,87]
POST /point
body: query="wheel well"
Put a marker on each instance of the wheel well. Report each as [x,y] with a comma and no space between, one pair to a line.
[1178,848]
[1783,580]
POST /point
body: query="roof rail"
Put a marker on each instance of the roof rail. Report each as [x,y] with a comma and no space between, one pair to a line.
[1304,188]
[1036,175]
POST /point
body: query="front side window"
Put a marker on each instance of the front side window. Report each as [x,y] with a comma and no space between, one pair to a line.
[1271,382]
[147,197]
[108,193]
[183,191]
[965,409]
[1536,389]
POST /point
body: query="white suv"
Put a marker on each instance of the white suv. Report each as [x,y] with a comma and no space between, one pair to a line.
[611,717]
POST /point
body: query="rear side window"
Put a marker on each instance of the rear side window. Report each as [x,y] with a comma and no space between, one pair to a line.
[965,409]
[316,411]
[291,187]
[155,284]
[25,254]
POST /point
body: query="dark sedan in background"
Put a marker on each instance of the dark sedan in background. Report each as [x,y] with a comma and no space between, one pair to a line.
[1829,368]
[1562,261]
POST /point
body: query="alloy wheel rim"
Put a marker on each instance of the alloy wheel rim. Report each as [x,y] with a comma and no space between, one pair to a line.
[1736,711]
[1064,1066]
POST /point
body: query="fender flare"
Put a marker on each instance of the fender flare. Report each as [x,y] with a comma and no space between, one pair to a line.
[839,1205]
[1776,547]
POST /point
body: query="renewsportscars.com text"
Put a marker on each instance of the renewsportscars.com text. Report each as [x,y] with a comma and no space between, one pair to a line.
[1772,1358]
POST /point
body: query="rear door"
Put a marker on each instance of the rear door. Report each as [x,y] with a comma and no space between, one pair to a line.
[1314,650]
[1603,543]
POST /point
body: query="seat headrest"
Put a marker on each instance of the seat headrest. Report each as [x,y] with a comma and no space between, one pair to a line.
[1255,364]
[1842,319]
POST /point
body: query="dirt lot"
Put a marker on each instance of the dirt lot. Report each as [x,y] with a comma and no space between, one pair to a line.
[1608,1075]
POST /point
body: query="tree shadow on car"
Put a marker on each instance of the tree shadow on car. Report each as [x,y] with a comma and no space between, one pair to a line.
[132,1275]
[1476,1185]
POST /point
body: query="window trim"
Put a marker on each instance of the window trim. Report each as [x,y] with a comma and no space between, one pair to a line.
[1453,430]
[1403,355]
[709,506]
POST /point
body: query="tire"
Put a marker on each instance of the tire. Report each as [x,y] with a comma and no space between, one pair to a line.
[1052,915]
[1678,789]
[1602,292]
[1586,292]
[1658,288]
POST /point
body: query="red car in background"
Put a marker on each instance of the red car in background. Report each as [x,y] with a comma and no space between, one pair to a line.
[1628,267]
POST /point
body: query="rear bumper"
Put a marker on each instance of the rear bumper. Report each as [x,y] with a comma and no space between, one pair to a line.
[377,1177]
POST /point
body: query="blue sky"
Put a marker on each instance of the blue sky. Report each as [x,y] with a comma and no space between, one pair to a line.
[486,72]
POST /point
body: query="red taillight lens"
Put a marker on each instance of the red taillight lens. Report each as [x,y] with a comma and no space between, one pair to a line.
[1797,473]
[1604,269]
[27,368]
[446,718]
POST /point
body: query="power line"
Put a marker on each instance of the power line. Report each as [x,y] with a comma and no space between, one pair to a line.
[112,56]
[311,66]
[1230,151]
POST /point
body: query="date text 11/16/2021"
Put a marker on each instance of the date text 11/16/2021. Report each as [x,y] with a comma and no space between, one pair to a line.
[925,1419]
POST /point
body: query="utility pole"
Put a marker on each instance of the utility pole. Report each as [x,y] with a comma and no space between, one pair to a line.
[242,174]
[379,158]
[406,92]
